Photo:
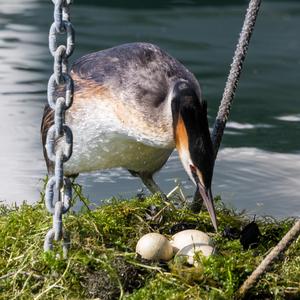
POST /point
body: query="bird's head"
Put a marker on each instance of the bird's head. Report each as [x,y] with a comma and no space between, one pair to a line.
[193,141]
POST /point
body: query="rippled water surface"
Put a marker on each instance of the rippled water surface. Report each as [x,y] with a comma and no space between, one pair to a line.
[258,168]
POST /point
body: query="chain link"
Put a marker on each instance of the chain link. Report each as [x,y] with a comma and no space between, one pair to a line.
[59,142]
[53,86]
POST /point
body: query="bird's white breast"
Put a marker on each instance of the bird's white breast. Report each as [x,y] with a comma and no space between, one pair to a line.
[108,136]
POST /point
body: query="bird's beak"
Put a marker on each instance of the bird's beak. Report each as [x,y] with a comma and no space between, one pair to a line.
[206,196]
[208,200]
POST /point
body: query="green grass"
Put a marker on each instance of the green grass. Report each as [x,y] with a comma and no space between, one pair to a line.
[102,263]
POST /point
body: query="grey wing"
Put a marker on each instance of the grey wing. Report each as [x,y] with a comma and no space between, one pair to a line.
[47,122]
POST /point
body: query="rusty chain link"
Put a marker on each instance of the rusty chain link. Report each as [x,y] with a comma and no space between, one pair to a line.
[59,142]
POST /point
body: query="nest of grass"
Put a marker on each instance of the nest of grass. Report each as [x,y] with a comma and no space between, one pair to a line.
[102,263]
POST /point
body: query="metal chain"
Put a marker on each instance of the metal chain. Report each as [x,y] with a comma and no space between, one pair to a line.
[59,142]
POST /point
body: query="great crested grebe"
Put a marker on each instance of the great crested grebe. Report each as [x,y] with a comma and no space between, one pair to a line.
[133,104]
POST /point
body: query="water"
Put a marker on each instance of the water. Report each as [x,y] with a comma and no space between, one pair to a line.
[258,168]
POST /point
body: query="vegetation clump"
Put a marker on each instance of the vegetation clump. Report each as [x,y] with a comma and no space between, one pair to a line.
[102,263]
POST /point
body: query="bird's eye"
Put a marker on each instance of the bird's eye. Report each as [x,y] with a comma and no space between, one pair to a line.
[193,169]
[194,173]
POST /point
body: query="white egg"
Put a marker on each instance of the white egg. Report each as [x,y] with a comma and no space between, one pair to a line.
[154,246]
[192,249]
[189,237]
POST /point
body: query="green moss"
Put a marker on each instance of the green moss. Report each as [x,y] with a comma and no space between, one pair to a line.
[102,263]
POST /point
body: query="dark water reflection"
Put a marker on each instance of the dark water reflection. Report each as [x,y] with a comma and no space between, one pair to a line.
[259,166]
